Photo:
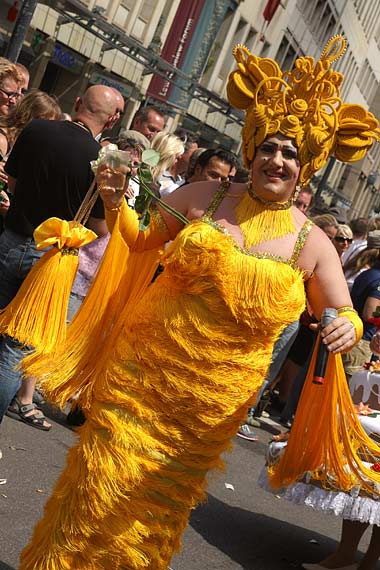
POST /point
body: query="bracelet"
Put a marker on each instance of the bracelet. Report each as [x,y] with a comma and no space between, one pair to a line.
[115,209]
[346,309]
[356,321]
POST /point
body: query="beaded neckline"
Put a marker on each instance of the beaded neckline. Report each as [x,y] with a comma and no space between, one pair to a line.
[292,261]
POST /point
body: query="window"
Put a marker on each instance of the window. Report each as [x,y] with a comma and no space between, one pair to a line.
[286,54]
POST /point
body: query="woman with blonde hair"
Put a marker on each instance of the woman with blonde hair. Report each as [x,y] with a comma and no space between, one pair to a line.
[170,148]
[342,239]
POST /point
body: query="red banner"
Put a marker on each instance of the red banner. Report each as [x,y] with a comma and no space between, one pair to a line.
[270,9]
[177,44]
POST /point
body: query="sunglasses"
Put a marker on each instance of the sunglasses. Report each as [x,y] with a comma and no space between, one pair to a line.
[341,239]
[271,148]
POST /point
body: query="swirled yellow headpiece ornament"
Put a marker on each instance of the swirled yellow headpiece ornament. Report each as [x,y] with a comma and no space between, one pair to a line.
[303,104]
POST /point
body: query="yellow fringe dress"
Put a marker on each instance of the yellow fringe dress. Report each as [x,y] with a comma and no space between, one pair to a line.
[191,357]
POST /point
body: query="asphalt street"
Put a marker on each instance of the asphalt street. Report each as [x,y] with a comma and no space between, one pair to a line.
[239,527]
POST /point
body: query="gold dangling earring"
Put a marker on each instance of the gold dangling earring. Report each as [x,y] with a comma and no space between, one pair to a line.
[296,193]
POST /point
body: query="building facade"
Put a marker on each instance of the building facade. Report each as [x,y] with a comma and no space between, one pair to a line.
[178,54]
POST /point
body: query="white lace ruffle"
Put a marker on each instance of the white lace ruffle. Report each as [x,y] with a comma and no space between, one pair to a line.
[341,504]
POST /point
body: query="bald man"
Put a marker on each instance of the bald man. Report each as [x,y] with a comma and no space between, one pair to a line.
[49,174]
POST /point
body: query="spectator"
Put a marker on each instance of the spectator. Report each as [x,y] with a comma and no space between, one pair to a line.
[175,175]
[304,200]
[10,86]
[170,148]
[359,228]
[342,239]
[363,260]
[192,162]
[148,121]
[35,105]
[25,77]
[213,165]
[47,155]
[327,223]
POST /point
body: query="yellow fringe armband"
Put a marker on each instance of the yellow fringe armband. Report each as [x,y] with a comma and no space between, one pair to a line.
[356,321]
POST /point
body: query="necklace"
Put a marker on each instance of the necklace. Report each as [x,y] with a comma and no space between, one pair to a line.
[263,221]
[268,203]
[83,126]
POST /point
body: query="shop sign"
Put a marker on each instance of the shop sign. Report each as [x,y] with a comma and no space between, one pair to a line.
[100,79]
[67,59]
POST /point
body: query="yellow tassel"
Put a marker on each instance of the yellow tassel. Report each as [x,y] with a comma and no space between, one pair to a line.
[121,278]
[327,439]
[261,224]
[37,314]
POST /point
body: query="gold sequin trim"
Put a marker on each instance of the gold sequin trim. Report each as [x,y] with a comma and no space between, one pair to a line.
[158,220]
[217,199]
[262,254]
[301,240]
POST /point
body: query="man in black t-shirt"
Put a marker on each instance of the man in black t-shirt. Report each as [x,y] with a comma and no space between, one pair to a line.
[49,174]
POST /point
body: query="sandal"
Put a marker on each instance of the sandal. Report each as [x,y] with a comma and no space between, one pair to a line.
[19,411]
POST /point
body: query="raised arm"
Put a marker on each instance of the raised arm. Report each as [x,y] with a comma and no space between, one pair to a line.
[163,226]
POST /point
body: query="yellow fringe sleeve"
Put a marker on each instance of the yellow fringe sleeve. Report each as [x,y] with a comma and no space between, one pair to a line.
[154,236]
[327,440]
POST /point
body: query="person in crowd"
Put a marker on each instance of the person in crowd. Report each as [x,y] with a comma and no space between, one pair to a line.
[25,77]
[213,165]
[10,86]
[35,105]
[190,351]
[359,227]
[10,92]
[365,294]
[304,200]
[175,176]
[135,143]
[363,260]
[148,121]
[46,155]
[342,239]
[190,140]
[192,162]
[172,148]
[328,224]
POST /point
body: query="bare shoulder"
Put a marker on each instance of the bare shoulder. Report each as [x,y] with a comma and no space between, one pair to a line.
[201,195]
[318,248]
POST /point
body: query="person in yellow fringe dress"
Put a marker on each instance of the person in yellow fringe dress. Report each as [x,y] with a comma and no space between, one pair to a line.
[172,381]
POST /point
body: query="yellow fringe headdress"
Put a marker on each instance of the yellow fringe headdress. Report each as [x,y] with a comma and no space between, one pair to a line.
[303,104]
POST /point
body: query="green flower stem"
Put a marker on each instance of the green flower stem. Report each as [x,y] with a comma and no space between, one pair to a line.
[163,205]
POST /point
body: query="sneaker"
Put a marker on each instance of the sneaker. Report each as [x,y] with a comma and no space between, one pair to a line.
[246,432]
[251,421]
